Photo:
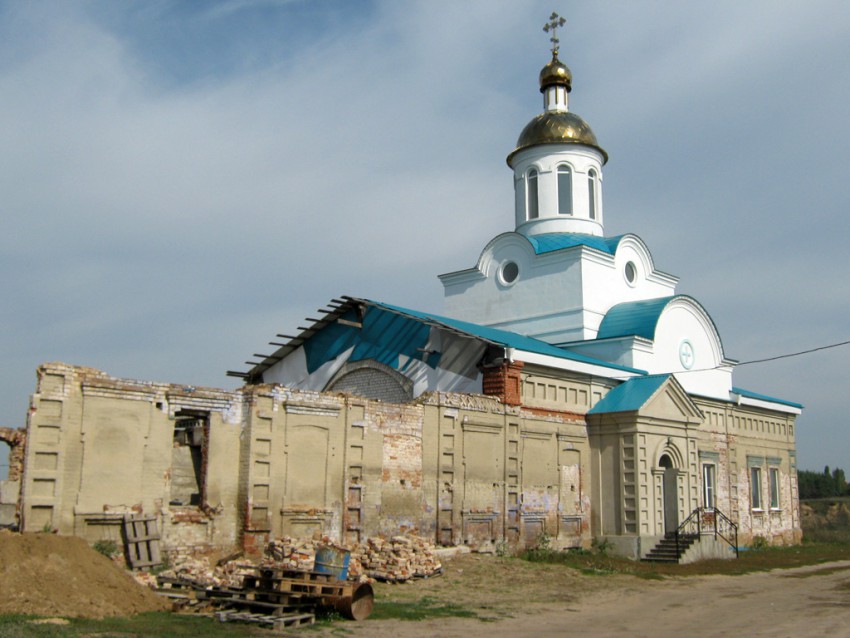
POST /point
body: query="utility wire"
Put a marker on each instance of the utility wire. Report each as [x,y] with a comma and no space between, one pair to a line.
[794,354]
[744,363]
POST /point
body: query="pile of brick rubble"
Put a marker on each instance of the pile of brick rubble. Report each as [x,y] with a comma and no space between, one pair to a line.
[397,559]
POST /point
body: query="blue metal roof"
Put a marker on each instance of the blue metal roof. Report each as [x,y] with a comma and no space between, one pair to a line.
[383,336]
[629,396]
[633,318]
[503,337]
[764,397]
[549,242]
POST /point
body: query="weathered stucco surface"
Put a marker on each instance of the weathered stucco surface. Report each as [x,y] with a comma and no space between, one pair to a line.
[221,469]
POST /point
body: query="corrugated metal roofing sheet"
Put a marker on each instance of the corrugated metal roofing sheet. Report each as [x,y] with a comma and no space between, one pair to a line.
[629,396]
[549,242]
[633,318]
[764,397]
[503,337]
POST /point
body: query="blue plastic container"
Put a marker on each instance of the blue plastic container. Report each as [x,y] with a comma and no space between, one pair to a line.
[332,560]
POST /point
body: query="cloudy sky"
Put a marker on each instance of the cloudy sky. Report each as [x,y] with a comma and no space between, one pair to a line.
[179,181]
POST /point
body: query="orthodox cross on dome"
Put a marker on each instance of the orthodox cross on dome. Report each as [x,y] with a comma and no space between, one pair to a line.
[555,21]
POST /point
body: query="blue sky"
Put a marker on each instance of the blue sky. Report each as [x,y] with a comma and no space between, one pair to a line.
[181,181]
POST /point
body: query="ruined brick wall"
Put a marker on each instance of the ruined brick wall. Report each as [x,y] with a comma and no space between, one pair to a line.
[10,488]
[16,440]
[275,461]
[101,448]
[506,474]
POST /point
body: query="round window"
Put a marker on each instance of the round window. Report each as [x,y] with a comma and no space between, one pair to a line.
[631,272]
[686,354]
[509,272]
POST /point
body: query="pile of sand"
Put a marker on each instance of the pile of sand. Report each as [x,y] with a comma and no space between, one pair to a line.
[49,575]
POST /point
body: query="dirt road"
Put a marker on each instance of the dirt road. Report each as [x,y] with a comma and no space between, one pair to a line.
[807,601]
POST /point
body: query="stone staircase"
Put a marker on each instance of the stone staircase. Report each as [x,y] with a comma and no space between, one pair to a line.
[665,551]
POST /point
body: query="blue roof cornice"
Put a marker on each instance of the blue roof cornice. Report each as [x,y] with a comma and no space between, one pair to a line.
[550,242]
[764,397]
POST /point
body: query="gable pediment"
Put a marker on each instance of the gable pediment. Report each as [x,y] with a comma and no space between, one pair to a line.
[671,403]
[658,398]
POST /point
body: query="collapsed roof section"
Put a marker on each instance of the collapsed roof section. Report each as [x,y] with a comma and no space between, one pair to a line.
[403,339]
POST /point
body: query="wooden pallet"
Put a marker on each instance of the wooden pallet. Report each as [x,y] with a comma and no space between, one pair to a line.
[177,589]
[285,586]
[141,539]
[278,623]
[279,592]
[256,601]
[314,584]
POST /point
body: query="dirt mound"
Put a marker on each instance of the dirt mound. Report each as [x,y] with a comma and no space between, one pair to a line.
[49,575]
[825,513]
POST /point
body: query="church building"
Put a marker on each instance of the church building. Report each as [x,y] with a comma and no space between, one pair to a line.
[565,391]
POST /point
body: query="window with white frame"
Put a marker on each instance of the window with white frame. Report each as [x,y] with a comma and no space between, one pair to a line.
[773,476]
[591,192]
[565,190]
[755,488]
[708,484]
[531,193]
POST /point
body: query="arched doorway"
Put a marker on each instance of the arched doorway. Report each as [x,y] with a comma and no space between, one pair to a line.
[670,485]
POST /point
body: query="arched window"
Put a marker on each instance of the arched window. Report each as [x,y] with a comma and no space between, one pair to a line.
[591,192]
[565,190]
[533,206]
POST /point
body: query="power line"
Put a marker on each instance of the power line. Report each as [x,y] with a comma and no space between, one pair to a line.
[795,354]
[744,363]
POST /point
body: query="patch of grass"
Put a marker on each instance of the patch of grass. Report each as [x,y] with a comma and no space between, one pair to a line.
[809,553]
[423,609]
[107,548]
[150,625]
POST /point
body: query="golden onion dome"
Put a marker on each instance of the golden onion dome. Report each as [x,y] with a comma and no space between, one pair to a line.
[556,72]
[557,127]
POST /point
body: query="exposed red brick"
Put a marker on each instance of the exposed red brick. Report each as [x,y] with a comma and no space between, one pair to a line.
[504,382]
[254,544]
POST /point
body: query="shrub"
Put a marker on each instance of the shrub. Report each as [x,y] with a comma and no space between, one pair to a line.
[601,546]
[107,548]
[759,542]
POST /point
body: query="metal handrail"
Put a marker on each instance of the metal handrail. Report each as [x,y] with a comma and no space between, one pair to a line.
[708,520]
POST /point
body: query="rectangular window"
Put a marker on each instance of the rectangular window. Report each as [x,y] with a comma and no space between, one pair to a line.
[533,203]
[565,191]
[591,194]
[708,485]
[773,474]
[755,487]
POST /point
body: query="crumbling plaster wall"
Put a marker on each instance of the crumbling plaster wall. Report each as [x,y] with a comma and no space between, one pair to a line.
[737,438]
[506,473]
[101,449]
[10,488]
[459,468]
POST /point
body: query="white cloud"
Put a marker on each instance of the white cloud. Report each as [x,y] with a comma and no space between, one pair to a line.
[170,204]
